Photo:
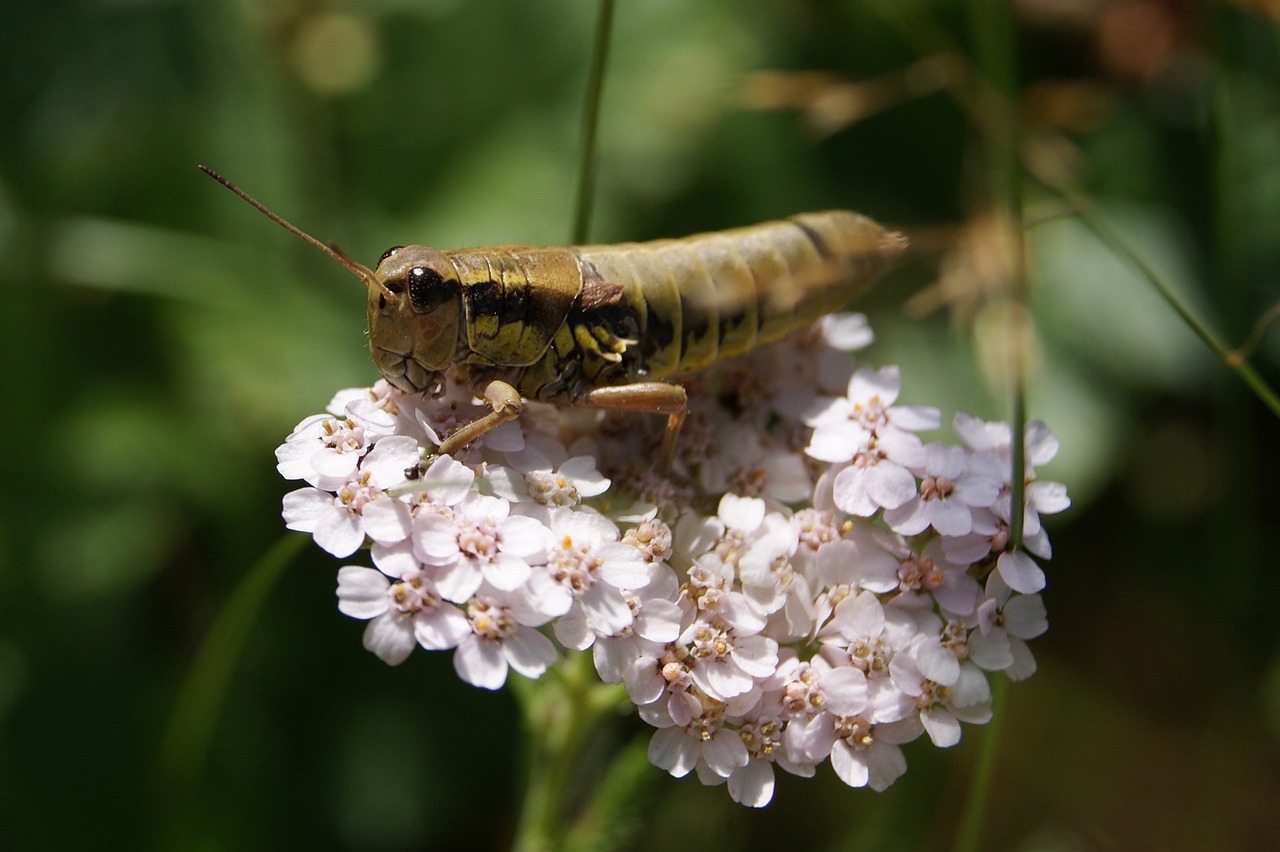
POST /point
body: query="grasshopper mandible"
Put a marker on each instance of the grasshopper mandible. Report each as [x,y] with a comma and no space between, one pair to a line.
[604,326]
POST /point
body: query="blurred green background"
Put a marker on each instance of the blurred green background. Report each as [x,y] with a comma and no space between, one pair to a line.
[160,339]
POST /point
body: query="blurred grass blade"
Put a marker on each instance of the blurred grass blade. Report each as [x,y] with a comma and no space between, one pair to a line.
[195,713]
[1088,214]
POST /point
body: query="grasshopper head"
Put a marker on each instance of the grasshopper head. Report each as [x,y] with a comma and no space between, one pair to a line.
[415,309]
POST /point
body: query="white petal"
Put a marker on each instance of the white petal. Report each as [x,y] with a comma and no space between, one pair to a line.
[671,750]
[850,766]
[1025,616]
[885,764]
[752,785]
[362,592]
[725,752]
[529,652]
[1020,572]
[385,520]
[338,531]
[480,663]
[941,726]
[390,636]
[441,627]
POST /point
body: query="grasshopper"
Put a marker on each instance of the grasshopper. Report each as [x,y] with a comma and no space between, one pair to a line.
[605,326]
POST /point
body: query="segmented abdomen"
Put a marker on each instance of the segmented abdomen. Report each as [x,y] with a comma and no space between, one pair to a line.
[709,296]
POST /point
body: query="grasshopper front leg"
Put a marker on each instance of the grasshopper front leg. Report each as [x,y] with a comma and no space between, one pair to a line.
[504,403]
[641,397]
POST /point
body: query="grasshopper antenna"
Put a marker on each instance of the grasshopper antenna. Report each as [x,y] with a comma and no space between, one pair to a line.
[356,268]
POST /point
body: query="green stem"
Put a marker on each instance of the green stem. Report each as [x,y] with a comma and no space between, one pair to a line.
[559,713]
[975,807]
[590,123]
[195,713]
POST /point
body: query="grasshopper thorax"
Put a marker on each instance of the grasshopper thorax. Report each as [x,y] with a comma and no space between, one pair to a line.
[415,310]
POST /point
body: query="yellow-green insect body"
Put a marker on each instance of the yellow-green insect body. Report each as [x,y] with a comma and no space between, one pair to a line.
[556,323]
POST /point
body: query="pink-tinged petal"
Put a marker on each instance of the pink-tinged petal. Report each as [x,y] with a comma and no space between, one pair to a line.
[390,637]
[480,662]
[441,627]
[1020,572]
[966,549]
[860,616]
[671,750]
[386,521]
[338,531]
[1041,445]
[850,766]
[752,785]
[958,594]
[903,448]
[786,477]
[529,652]
[362,592]
[971,689]
[721,679]
[1024,664]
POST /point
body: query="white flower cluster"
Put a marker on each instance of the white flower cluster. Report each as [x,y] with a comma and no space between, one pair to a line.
[811,582]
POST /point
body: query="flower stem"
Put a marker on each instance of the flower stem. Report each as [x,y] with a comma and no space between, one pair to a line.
[590,123]
[560,712]
[970,832]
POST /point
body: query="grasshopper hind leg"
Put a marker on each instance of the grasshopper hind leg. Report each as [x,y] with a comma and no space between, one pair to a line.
[647,398]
